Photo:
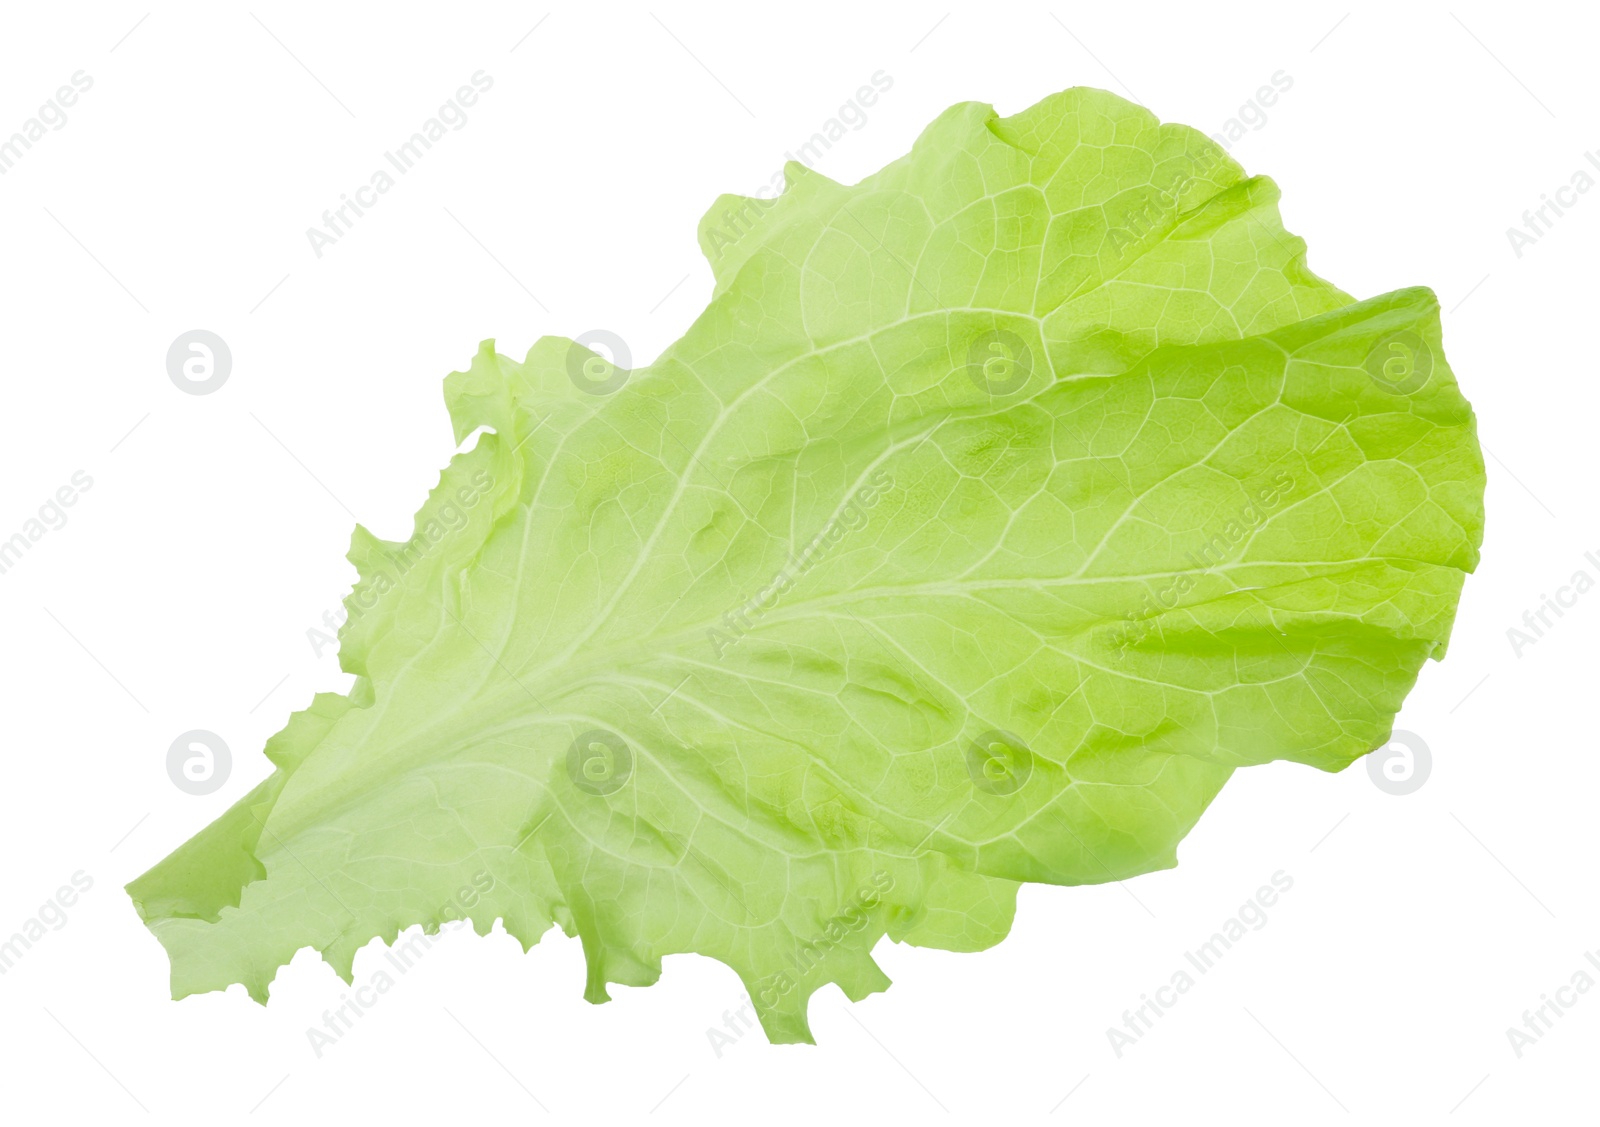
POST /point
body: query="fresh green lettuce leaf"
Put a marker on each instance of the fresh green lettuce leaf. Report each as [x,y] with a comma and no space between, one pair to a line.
[994,511]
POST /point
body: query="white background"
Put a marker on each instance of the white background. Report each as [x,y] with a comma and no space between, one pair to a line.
[179,593]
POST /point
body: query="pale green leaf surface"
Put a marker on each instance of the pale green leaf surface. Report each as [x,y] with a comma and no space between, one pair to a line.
[1033,562]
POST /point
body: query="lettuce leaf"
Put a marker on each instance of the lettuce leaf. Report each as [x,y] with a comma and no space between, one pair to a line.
[993,512]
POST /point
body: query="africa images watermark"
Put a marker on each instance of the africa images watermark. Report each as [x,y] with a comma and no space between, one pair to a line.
[51,916]
[52,114]
[1153,211]
[1137,623]
[740,621]
[403,956]
[1539,621]
[852,116]
[449,518]
[1253,114]
[337,222]
[1542,1019]
[51,517]
[1251,916]
[1539,222]
[806,956]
